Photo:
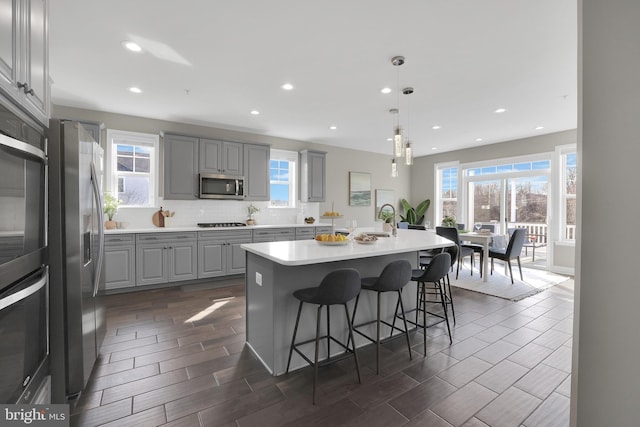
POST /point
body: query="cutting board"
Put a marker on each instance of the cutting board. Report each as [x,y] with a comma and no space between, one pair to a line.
[157,219]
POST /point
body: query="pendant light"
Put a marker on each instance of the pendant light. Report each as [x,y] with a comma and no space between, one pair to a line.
[394,168]
[397,61]
[408,151]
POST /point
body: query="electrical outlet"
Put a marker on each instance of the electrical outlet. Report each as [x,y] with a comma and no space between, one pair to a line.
[258,279]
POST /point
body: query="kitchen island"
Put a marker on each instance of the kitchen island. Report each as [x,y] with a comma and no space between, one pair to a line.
[275,269]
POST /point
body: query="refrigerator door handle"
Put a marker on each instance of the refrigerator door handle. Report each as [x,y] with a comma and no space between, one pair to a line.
[24,293]
[98,198]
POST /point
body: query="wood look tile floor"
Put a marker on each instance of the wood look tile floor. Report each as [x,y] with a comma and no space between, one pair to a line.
[176,357]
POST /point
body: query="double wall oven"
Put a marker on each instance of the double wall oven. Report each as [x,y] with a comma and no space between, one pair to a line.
[24,346]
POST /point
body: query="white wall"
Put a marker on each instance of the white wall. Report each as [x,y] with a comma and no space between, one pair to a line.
[606,378]
[339,162]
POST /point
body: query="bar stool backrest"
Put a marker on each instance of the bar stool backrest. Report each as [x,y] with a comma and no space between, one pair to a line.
[437,269]
[395,275]
[339,286]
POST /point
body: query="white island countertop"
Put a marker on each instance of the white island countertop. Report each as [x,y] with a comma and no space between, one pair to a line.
[305,252]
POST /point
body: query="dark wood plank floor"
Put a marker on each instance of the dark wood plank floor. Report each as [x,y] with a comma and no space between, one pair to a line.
[176,357]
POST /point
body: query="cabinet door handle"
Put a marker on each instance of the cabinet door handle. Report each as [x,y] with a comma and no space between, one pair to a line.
[25,88]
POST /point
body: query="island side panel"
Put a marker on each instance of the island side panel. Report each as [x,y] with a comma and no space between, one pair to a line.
[260,307]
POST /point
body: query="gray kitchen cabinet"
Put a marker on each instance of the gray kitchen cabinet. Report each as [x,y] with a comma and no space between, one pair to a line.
[256,166]
[219,252]
[166,257]
[221,157]
[305,233]
[24,57]
[180,167]
[119,261]
[312,176]
[94,129]
[324,230]
[273,235]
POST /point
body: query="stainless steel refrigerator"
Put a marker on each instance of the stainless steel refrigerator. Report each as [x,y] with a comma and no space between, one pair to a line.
[76,247]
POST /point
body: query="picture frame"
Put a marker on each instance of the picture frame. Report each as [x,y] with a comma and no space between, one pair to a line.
[383,197]
[359,189]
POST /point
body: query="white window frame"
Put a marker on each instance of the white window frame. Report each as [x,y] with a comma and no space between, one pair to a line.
[292,158]
[439,167]
[561,152]
[115,137]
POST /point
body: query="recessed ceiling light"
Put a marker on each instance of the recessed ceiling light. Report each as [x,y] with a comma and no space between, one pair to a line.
[255,112]
[501,110]
[389,139]
[385,90]
[132,46]
[332,127]
[434,148]
[135,89]
[436,127]
[287,86]
[539,127]
[478,139]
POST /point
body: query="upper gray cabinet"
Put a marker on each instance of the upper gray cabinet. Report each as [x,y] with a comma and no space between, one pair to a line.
[256,164]
[24,57]
[221,157]
[312,176]
[180,167]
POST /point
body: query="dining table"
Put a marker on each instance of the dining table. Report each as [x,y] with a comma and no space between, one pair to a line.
[483,238]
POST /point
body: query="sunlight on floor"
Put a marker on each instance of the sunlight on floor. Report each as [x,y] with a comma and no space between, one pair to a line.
[207,311]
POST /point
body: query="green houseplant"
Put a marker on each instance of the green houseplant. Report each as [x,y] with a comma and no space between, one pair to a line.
[251,210]
[414,215]
[449,221]
[110,208]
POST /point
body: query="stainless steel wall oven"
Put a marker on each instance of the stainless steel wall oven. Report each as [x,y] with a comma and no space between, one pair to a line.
[24,346]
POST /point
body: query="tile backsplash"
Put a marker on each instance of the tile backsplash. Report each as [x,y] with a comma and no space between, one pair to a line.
[190,212]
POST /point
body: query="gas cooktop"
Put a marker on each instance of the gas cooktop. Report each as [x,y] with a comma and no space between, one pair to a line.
[221,224]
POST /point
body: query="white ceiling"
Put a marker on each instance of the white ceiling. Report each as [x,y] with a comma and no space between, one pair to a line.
[211,62]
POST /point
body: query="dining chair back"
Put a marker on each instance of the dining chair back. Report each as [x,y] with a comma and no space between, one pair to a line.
[513,250]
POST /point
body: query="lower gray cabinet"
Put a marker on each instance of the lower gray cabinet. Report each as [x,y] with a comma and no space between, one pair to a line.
[219,252]
[273,235]
[119,261]
[166,257]
[303,233]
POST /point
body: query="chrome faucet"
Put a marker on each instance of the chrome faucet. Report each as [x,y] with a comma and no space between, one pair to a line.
[393,225]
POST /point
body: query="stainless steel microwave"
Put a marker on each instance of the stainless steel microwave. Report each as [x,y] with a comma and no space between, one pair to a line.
[213,186]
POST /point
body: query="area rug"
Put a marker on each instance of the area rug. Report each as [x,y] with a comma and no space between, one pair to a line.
[500,286]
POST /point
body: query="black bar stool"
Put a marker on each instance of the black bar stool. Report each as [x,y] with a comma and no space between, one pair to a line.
[392,279]
[433,274]
[424,261]
[337,287]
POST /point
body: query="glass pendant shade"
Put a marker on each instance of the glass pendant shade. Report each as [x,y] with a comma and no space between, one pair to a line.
[394,168]
[397,142]
[408,151]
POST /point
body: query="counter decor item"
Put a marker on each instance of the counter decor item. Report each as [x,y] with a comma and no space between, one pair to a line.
[309,220]
[365,239]
[332,239]
[110,208]
[161,218]
[251,210]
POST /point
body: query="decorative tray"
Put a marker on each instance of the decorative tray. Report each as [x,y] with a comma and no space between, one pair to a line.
[365,242]
[340,243]
[331,216]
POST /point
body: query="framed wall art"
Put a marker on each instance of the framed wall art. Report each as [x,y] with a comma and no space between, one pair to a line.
[359,189]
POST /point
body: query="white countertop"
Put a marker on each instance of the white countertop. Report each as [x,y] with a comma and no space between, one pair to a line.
[303,252]
[196,228]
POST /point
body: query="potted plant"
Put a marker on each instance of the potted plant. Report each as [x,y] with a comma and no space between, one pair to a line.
[251,210]
[414,215]
[387,217]
[110,208]
[448,221]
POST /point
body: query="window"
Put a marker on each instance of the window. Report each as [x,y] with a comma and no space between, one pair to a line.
[568,191]
[447,192]
[282,178]
[132,165]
